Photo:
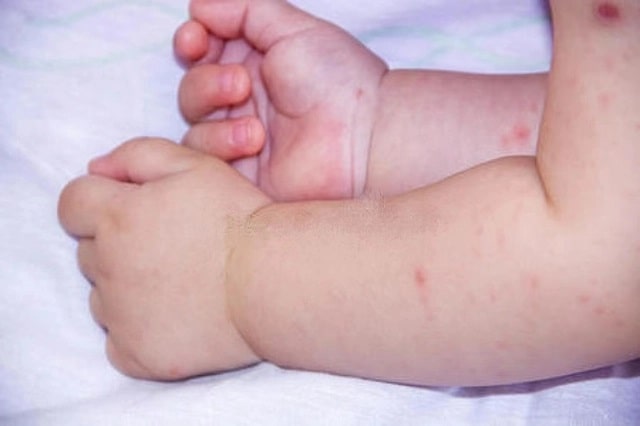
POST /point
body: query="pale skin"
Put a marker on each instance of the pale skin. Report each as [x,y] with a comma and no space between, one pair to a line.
[520,268]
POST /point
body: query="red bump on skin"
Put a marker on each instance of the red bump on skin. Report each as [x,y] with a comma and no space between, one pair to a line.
[517,139]
[501,239]
[534,282]
[422,284]
[502,346]
[584,299]
[521,132]
[420,278]
[604,99]
[608,12]
[600,311]
[619,323]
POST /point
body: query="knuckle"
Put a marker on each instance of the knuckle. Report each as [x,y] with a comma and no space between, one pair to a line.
[135,146]
[140,147]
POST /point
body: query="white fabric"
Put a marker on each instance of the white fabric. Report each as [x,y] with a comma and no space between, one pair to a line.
[77,78]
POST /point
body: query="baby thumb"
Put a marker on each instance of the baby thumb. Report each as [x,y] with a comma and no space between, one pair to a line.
[142,160]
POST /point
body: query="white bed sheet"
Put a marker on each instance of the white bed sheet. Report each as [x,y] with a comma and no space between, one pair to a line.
[77,78]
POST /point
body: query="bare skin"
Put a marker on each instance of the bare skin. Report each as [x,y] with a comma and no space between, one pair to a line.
[518,269]
[336,128]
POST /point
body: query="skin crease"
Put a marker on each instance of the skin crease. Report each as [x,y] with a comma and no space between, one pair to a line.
[516,269]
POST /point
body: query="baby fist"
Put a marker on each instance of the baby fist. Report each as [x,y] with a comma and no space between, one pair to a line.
[155,224]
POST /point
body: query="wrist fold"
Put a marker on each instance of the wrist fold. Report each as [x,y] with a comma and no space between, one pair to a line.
[238,279]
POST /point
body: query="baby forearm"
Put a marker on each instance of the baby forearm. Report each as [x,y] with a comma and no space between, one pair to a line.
[433,124]
[442,286]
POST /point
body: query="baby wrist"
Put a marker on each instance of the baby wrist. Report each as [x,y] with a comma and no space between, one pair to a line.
[239,277]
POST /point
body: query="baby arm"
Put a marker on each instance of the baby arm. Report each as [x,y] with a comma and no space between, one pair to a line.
[519,269]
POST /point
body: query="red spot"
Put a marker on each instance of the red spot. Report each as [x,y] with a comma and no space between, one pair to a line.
[534,282]
[517,139]
[600,311]
[501,239]
[619,323]
[584,299]
[421,277]
[502,346]
[608,12]
[604,99]
[422,285]
[175,372]
[492,296]
[521,132]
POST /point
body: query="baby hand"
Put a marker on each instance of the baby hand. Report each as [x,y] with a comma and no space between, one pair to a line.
[311,86]
[154,243]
